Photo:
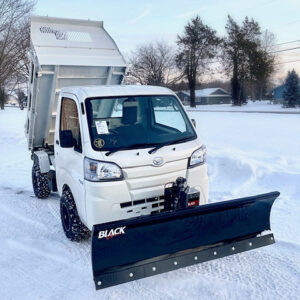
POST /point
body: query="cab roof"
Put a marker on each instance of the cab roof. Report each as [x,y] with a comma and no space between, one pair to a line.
[83,92]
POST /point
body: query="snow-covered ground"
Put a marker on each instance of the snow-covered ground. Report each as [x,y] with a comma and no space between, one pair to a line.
[247,154]
[257,106]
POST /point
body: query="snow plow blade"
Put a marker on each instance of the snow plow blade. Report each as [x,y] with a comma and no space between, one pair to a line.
[139,247]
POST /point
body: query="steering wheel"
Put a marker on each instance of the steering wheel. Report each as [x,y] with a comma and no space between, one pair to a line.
[113,131]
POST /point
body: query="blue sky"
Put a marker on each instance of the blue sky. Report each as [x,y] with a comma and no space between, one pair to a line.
[133,22]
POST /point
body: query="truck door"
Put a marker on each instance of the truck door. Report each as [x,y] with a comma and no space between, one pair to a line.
[69,160]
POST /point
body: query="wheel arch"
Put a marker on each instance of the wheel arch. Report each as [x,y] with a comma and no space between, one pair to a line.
[68,184]
[72,225]
[66,187]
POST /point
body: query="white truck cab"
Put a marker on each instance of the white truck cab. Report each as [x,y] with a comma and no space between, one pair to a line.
[107,148]
[116,147]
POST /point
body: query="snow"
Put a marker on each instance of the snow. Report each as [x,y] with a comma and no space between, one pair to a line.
[265,106]
[247,154]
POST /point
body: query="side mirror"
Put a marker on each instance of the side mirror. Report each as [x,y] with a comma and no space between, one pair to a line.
[194,122]
[66,139]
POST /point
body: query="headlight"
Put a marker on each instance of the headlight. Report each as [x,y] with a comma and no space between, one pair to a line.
[101,171]
[198,157]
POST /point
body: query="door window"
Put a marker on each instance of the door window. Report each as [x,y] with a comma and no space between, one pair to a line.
[69,120]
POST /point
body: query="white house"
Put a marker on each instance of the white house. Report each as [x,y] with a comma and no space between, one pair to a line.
[206,96]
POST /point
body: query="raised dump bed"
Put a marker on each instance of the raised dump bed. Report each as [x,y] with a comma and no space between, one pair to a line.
[65,52]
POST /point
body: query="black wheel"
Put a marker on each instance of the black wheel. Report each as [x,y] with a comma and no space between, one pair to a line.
[74,229]
[40,182]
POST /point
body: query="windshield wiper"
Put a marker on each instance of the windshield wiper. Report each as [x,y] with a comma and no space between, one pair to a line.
[128,148]
[170,143]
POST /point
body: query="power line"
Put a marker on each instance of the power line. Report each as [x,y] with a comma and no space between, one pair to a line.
[244,10]
[289,56]
[289,49]
[287,62]
[286,24]
[287,43]
[256,6]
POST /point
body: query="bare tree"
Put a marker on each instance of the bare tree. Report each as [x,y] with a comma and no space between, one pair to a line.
[154,64]
[197,46]
[14,43]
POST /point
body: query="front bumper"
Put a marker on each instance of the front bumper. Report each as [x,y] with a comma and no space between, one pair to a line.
[109,201]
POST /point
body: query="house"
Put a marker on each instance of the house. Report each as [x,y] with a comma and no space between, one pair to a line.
[206,96]
[12,100]
[278,94]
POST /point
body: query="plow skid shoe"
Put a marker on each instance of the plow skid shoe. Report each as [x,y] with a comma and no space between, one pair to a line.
[136,248]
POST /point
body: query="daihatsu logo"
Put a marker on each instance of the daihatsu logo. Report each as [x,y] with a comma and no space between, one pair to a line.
[158,161]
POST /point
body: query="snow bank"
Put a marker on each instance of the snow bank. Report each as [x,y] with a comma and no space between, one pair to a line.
[257,106]
[247,154]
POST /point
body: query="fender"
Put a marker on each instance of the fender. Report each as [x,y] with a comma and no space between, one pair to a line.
[42,159]
[65,179]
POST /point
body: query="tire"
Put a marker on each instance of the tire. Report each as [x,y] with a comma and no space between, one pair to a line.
[40,182]
[74,229]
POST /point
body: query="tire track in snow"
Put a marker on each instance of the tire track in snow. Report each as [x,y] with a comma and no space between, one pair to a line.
[21,218]
[80,250]
[242,268]
[30,249]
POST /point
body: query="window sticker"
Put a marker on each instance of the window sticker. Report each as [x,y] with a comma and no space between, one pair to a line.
[99,143]
[101,127]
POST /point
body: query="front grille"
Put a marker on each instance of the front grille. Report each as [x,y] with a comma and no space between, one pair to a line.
[125,204]
[154,204]
[137,202]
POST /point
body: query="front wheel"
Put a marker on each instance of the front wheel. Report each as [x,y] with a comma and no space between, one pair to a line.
[40,182]
[74,229]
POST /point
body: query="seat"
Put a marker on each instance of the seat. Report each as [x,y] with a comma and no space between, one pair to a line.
[131,129]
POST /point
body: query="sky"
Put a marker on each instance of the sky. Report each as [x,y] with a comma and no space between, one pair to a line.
[132,22]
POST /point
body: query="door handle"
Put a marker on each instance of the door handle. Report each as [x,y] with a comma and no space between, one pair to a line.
[57,142]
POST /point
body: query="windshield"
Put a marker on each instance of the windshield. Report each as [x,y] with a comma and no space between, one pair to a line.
[136,122]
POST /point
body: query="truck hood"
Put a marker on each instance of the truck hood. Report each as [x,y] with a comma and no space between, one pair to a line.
[141,157]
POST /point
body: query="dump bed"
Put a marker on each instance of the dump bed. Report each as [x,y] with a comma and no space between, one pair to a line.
[65,52]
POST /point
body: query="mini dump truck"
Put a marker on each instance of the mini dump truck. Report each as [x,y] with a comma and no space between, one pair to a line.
[126,161]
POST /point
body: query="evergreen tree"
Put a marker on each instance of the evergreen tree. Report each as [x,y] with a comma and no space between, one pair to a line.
[246,57]
[262,64]
[291,94]
[197,45]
